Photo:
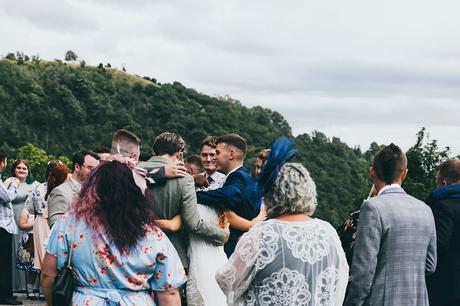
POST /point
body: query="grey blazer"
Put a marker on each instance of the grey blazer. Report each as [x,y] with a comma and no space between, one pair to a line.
[395,247]
[59,200]
[178,196]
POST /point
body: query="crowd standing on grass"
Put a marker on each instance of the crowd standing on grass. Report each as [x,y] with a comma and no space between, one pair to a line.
[200,230]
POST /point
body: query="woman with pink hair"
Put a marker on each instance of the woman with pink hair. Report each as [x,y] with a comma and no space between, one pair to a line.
[118,255]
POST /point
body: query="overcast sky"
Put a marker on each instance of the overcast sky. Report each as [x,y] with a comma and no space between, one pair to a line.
[360,70]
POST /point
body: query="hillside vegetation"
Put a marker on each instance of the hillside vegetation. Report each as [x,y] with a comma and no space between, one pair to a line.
[55,108]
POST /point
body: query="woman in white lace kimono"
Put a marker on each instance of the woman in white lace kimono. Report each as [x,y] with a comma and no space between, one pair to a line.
[290,259]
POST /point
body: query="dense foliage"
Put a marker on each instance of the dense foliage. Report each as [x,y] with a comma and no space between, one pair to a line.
[62,107]
[55,108]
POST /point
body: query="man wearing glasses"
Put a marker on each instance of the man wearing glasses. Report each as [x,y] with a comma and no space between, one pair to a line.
[62,196]
[207,154]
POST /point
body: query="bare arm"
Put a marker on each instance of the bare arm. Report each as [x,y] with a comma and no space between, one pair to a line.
[170,226]
[23,218]
[241,223]
[47,277]
[169,298]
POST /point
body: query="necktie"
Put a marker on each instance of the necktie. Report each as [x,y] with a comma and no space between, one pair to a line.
[210,180]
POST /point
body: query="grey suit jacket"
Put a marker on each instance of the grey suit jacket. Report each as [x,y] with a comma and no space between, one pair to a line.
[177,196]
[59,200]
[395,247]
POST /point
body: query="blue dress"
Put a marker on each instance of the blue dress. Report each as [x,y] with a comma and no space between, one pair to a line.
[108,276]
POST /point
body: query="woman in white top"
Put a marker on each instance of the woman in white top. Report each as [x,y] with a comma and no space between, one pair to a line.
[290,259]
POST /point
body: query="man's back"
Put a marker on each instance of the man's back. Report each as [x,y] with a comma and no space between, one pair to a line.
[60,199]
[444,284]
[177,197]
[395,246]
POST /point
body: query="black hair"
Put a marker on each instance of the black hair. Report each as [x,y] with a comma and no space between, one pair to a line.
[389,163]
[79,157]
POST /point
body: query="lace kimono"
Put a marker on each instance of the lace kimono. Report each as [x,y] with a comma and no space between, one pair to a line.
[286,263]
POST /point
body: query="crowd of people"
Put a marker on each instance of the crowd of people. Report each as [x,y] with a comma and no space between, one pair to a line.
[163,230]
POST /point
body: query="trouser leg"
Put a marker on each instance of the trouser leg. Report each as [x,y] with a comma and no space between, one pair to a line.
[6,273]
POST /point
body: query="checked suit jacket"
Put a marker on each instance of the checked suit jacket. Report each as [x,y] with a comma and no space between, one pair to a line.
[395,248]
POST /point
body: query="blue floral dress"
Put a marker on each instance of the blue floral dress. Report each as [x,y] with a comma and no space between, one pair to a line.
[108,276]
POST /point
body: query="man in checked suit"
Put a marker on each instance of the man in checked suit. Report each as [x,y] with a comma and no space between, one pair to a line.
[396,240]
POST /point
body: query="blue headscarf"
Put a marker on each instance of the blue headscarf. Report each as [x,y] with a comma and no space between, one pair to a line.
[281,152]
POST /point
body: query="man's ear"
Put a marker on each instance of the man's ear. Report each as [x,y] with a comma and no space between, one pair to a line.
[404,174]
[133,155]
[231,154]
[372,172]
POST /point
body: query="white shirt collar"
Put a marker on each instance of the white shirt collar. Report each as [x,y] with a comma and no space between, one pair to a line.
[232,172]
[75,182]
[388,187]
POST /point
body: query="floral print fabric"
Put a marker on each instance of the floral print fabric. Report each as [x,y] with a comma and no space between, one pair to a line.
[286,263]
[104,272]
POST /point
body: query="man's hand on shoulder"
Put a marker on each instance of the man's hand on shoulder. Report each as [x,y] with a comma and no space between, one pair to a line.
[175,169]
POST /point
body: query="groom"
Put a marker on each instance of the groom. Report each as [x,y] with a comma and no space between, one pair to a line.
[230,153]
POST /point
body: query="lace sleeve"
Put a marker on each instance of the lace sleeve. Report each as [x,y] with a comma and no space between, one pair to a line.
[236,276]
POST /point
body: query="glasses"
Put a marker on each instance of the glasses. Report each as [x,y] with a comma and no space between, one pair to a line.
[22,168]
[88,167]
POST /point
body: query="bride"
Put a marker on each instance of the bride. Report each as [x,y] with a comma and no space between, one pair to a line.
[205,257]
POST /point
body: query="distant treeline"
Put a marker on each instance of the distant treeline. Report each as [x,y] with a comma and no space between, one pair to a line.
[61,107]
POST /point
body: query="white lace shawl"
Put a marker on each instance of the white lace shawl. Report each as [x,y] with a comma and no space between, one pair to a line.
[286,263]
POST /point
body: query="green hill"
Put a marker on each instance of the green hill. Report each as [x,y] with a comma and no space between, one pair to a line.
[62,107]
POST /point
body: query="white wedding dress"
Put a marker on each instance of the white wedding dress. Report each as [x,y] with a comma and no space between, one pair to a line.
[205,260]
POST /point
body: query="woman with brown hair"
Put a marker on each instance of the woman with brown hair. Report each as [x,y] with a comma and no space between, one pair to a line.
[21,171]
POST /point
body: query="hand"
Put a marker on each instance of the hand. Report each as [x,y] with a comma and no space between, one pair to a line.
[13,181]
[175,169]
[261,216]
[227,232]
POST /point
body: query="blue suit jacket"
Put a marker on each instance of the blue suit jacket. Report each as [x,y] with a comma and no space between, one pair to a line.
[232,195]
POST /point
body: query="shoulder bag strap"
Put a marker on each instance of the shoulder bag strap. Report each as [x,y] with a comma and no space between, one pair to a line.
[71,247]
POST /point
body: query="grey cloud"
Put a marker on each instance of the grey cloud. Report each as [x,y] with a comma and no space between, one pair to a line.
[52,15]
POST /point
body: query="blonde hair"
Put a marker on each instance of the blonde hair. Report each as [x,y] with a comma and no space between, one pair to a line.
[294,191]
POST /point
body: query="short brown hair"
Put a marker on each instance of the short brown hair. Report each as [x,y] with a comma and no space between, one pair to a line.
[234,140]
[124,142]
[450,170]
[263,154]
[389,163]
[209,141]
[168,143]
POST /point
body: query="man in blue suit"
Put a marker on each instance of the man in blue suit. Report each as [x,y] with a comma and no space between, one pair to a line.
[230,153]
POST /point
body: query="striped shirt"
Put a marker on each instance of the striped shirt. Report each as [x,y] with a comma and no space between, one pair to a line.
[7,221]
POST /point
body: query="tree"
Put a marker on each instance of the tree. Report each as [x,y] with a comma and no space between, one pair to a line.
[21,57]
[423,158]
[70,56]
[11,56]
